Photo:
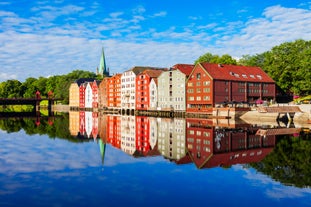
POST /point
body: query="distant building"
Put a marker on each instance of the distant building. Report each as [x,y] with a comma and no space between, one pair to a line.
[74,92]
[88,95]
[128,87]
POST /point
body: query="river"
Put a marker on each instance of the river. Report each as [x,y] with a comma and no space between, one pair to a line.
[91,159]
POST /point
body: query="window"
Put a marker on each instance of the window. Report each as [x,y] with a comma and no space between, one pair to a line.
[206,83]
[198,76]
[206,90]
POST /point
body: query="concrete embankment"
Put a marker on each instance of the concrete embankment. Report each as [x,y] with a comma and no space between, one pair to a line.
[301,118]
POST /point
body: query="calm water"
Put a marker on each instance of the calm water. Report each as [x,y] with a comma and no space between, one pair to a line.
[111,161]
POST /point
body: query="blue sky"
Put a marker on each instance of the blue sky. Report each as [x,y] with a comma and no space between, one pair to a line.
[44,38]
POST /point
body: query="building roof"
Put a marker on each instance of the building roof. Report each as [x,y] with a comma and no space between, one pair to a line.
[153,73]
[83,80]
[184,68]
[139,69]
[236,72]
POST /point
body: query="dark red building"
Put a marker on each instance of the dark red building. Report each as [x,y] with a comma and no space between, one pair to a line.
[210,84]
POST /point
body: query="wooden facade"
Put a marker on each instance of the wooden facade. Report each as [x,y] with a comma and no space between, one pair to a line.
[95,93]
[74,95]
[103,92]
[114,92]
[211,84]
[143,81]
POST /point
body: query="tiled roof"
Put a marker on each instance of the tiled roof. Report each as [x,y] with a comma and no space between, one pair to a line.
[153,73]
[236,72]
[184,68]
[139,69]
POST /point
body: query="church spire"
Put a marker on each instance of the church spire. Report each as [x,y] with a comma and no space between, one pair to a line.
[102,65]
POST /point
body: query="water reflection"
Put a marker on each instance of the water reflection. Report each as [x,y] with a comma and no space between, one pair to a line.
[207,143]
[279,152]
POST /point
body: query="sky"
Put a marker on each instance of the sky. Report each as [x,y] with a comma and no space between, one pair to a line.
[43,38]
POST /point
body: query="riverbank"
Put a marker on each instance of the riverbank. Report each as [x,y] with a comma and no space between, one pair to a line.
[248,115]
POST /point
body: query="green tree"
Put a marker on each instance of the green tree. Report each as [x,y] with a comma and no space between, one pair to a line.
[227,59]
[29,87]
[209,57]
[289,64]
[11,89]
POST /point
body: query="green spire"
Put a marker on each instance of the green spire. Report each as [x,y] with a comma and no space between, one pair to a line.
[102,65]
[102,147]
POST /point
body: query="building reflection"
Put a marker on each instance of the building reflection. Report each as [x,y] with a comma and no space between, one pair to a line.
[207,143]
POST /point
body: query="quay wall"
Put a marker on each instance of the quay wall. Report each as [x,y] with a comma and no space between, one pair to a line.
[246,114]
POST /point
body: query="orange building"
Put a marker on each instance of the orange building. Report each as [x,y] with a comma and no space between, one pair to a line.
[114,92]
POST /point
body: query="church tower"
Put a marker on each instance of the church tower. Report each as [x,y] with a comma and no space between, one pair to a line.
[102,70]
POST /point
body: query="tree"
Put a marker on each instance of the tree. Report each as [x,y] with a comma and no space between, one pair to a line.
[289,64]
[59,85]
[11,89]
[29,88]
[224,59]
[227,59]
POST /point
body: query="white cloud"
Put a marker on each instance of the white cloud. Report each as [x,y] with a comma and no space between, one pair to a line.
[6,76]
[160,14]
[35,47]
[277,25]
[274,189]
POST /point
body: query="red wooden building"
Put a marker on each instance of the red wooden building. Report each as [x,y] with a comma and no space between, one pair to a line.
[210,84]
[95,93]
[82,88]
[142,88]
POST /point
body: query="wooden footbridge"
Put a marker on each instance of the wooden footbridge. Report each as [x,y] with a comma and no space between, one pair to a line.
[30,101]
